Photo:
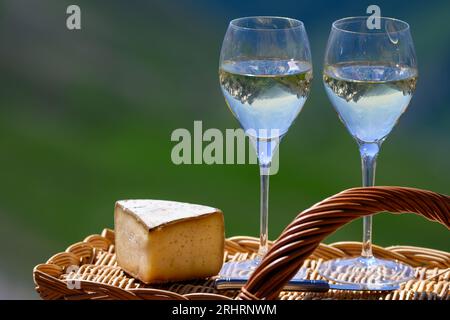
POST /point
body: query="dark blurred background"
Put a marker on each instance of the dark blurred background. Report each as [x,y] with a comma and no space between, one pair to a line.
[86,118]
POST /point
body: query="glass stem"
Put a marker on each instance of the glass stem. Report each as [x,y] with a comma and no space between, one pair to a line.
[265,149]
[264,210]
[369,153]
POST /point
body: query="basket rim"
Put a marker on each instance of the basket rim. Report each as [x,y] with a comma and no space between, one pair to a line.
[48,275]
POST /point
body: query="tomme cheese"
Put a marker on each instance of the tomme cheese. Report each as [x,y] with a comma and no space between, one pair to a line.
[160,241]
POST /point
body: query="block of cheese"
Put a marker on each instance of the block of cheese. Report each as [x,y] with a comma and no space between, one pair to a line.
[160,241]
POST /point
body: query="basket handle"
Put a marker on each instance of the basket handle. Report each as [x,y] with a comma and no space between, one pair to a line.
[303,235]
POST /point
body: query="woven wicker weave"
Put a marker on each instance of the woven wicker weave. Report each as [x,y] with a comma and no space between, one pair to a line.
[98,277]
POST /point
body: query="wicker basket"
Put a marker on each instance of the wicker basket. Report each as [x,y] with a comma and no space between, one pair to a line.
[88,269]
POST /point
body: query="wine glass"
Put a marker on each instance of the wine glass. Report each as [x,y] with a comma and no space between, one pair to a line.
[265,75]
[369,76]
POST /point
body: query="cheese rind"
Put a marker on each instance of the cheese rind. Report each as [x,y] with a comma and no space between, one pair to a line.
[154,213]
[162,241]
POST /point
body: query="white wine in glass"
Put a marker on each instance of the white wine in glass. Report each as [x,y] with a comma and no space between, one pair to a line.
[369,76]
[369,98]
[265,75]
[266,94]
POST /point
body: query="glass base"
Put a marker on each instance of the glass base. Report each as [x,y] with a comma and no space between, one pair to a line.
[244,269]
[370,273]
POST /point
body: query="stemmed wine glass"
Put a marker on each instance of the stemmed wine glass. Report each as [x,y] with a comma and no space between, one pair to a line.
[369,76]
[265,75]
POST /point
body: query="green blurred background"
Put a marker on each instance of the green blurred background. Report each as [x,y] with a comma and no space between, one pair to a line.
[86,118]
